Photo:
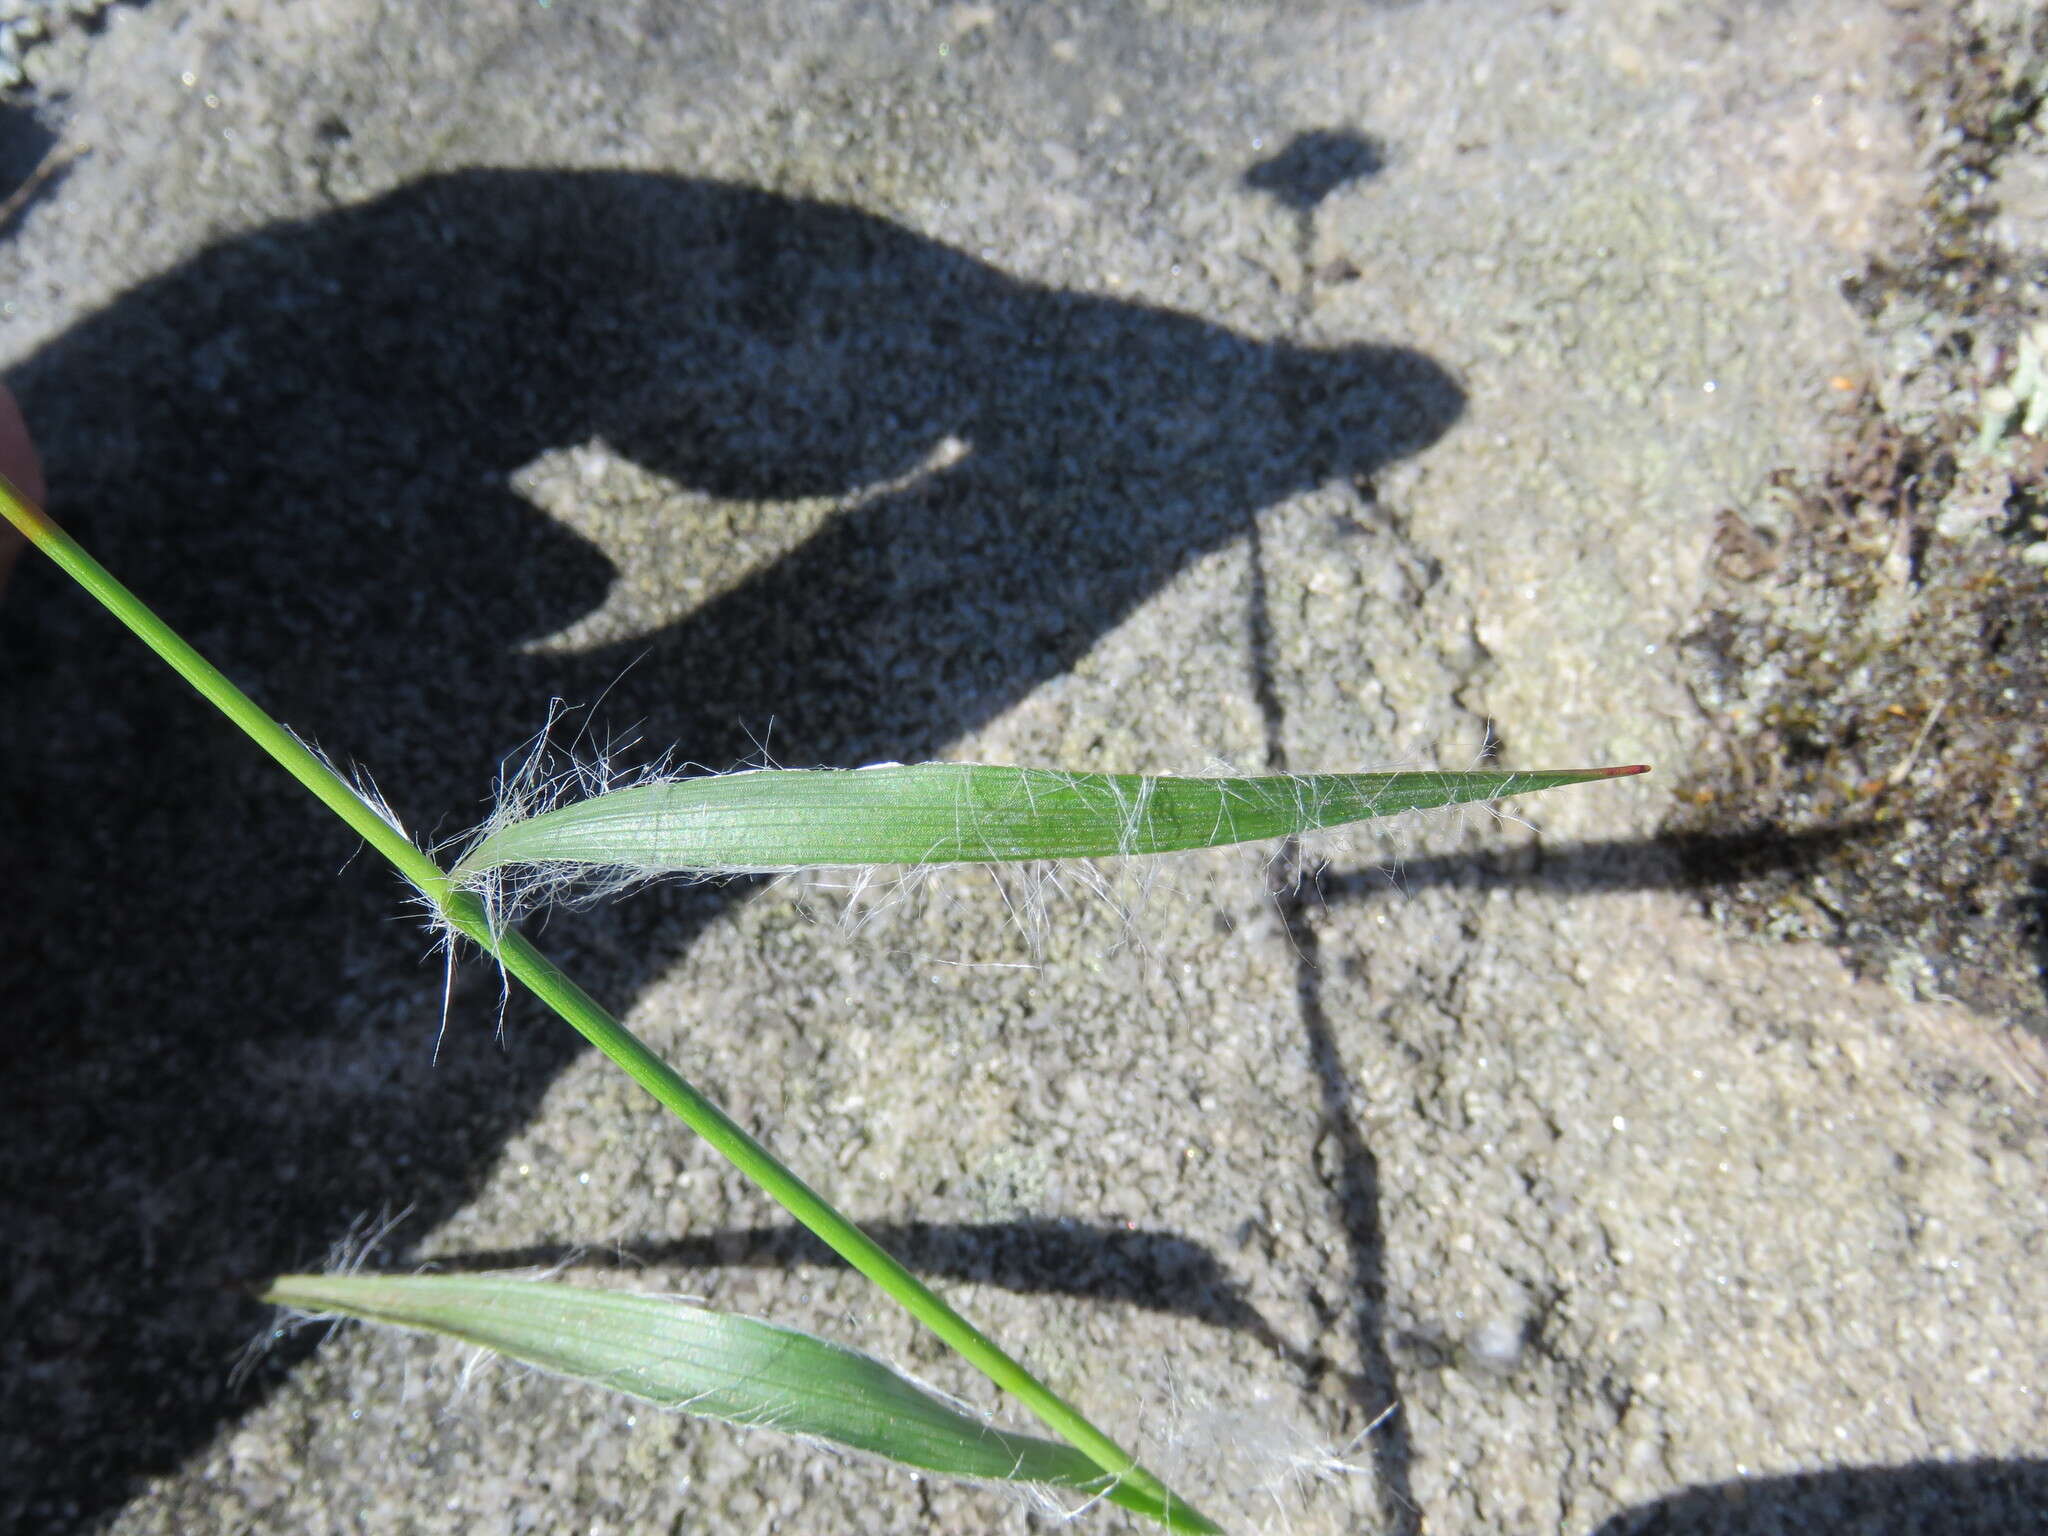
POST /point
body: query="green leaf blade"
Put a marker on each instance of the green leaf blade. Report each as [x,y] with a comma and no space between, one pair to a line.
[710,1364]
[961,813]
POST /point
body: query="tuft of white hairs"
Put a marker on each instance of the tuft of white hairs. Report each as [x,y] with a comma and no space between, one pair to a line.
[345,1256]
[1257,1465]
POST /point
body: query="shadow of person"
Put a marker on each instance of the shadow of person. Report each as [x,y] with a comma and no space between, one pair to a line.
[297,445]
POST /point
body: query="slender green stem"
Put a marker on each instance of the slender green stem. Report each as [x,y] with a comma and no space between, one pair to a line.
[1127,1483]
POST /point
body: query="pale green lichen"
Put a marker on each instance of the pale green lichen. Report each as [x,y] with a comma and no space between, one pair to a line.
[2019,406]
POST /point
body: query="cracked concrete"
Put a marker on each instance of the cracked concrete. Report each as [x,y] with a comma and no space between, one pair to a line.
[424,363]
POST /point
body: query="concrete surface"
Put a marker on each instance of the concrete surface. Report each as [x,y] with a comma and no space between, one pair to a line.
[1014,383]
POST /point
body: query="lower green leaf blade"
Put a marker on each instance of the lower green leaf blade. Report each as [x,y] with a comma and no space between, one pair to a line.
[961,813]
[712,1364]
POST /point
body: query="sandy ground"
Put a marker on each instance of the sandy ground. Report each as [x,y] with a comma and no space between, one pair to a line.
[1146,386]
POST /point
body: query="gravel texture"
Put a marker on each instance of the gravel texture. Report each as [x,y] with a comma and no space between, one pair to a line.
[1130,387]
[54,29]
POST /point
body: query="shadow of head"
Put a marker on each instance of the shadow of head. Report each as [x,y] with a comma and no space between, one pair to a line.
[337,404]
[297,446]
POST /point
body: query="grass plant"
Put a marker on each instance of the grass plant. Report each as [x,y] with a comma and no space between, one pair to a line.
[739,1369]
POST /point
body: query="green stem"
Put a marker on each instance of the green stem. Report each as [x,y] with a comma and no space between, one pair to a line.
[1128,1483]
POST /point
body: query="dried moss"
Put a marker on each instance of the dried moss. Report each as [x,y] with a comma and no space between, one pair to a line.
[1881,698]
[1874,654]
